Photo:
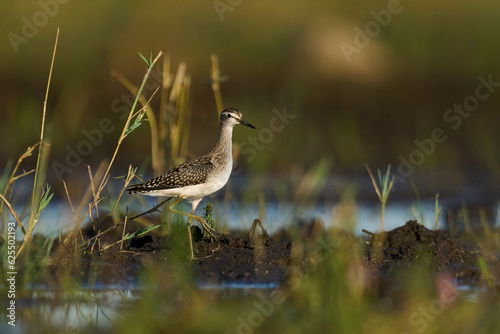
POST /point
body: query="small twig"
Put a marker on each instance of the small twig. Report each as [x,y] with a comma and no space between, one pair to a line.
[124,227]
[7,192]
[154,209]
[100,234]
[368,232]
[13,213]
[128,251]
[146,105]
[74,214]
[21,175]
[129,236]
[256,222]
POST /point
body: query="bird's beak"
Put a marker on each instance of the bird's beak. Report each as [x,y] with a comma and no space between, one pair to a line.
[246,124]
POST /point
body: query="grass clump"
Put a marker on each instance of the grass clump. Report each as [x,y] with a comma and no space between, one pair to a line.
[386,189]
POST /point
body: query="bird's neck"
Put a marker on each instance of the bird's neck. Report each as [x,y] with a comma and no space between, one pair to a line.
[225,141]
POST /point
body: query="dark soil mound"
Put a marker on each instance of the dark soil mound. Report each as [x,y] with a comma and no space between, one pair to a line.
[413,242]
[243,260]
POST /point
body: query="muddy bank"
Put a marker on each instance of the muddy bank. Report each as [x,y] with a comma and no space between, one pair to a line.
[251,258]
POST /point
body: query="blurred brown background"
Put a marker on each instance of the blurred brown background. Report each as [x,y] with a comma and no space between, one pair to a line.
[364,79]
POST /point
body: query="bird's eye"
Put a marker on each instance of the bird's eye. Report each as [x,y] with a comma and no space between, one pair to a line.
[228,115]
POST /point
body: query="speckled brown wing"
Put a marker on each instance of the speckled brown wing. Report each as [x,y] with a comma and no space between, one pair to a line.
[189,173]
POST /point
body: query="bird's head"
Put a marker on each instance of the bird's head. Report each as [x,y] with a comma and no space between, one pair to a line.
[233,117]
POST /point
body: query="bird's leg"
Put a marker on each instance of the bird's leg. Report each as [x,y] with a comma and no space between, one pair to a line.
[192,257]
[200,220]
[171,209]
[210,230]
[207,228]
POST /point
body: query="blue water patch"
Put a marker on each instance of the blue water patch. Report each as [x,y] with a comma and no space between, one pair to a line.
[236,285]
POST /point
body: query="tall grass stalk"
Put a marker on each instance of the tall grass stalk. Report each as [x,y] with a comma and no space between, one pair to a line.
[155,159]
[184,116]
[173,116]
[129,127]
[41,165]
[177,111]
[166,82]
[386,189]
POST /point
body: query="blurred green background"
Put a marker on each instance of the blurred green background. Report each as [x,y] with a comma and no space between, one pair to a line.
[369,108]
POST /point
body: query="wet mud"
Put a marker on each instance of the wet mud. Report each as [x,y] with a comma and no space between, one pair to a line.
[257,258]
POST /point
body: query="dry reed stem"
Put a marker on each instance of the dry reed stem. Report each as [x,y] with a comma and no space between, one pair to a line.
[216,79]
[39,162]
[11,209]
[13,176]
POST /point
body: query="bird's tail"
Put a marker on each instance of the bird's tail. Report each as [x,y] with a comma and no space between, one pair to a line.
[137,189]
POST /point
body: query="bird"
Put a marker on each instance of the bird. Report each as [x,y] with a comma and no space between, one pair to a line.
[197,178]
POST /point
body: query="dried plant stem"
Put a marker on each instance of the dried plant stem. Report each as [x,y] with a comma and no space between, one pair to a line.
[154,209]
[13,213]
[41,160]
[84,203]
[178,125]
[216,79]
[155,160]
[130,115]
[123,232]
[13,177]
[437,212]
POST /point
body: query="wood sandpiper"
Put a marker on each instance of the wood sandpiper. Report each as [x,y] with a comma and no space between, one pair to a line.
[199,177]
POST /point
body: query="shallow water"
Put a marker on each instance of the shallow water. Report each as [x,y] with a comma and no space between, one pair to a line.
[58,217]
[96,307]
[238,215]
[101,305]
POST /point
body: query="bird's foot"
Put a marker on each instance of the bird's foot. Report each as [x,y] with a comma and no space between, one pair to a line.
[213,234]
[192,257]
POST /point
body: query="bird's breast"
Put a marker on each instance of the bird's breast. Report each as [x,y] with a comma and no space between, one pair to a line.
[220,178]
